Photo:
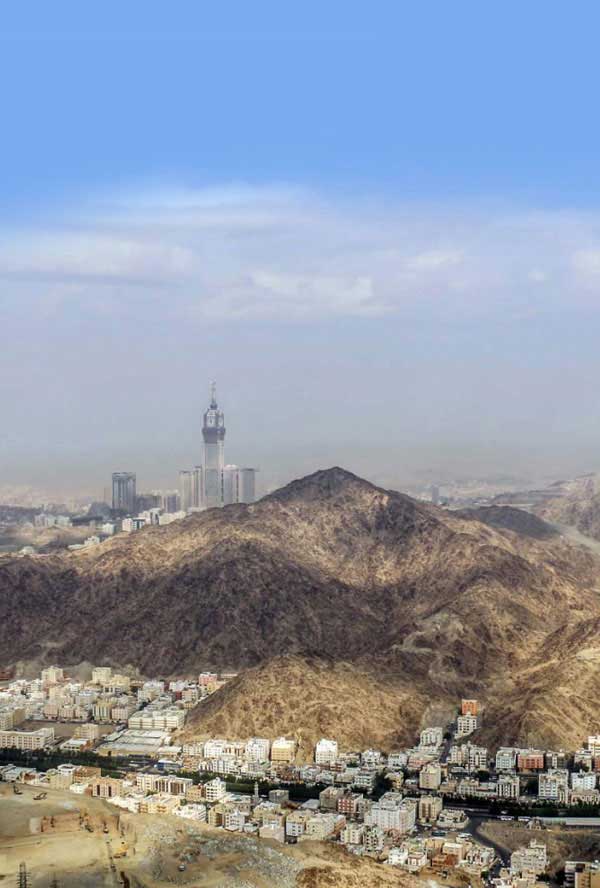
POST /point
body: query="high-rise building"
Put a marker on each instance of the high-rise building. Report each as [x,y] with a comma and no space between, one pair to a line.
[123,492]
[191,489]
[213,433]
[214,484]
[238,485]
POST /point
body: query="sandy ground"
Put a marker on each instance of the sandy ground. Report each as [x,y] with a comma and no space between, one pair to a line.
[78,858]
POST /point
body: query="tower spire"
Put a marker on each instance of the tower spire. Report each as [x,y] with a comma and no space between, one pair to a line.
[213,394]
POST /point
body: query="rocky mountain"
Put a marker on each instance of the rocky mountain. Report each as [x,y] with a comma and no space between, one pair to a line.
[509,518]
[427,604]
[576,504]
[313,696]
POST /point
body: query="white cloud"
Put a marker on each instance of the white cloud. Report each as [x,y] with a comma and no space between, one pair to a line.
[285,253]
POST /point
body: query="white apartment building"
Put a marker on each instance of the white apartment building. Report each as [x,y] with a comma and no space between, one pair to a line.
[234,820]
[370,758]
[26,740]
[553,786]
[583,780]
[167,719]
[594,744]
[472,757]
[215,790]
[397,759]
[506,758]
[466,724]
[326,752]
[392,814]
[258,750]
[508,786]
[320,826]
[295,823]
[431,737]
[532,859]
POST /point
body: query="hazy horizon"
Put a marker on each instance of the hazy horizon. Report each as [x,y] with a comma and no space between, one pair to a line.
[380,234]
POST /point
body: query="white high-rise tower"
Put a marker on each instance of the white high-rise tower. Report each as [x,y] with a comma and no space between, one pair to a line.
[213,433]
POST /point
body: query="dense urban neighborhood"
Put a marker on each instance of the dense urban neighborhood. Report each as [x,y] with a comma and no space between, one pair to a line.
[412,808]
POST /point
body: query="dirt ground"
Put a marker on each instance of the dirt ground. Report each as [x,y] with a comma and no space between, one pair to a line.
[77,857]
[563,844]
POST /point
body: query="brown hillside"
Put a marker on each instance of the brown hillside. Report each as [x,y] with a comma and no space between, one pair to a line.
[330,564]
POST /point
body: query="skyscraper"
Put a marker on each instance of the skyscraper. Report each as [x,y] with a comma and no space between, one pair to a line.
[213,433]
[214,484]
[124,492]
[191,489]
[238,485]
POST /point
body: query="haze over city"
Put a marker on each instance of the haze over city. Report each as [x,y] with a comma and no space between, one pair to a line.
[387,264]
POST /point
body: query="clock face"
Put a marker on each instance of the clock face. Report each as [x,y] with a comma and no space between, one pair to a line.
[210,420]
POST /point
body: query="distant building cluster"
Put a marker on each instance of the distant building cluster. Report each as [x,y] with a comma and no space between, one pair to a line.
[408,808]
[211,484]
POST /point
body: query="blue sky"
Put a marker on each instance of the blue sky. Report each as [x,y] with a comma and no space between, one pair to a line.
[364,220]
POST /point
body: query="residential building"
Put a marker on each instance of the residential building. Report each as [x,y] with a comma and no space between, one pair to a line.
[373,839]
[430,808]
[508,786]
[466,724]
[326,752]
[582,874]
[330,796]
[258,749]
[530,760]
[348,803]
[283,751]
[27,740]
[431,737]
[583,780]
[506,758]
[469,707]
[553,786]
[352,834]
[52,675]
[215,790]
[530,860]
[430,776]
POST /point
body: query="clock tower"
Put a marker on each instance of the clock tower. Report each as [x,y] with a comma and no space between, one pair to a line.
[213,433]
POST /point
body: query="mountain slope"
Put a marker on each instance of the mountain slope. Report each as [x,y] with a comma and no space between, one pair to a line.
[576,504]
[309,697]
[509,518]
[430,604]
